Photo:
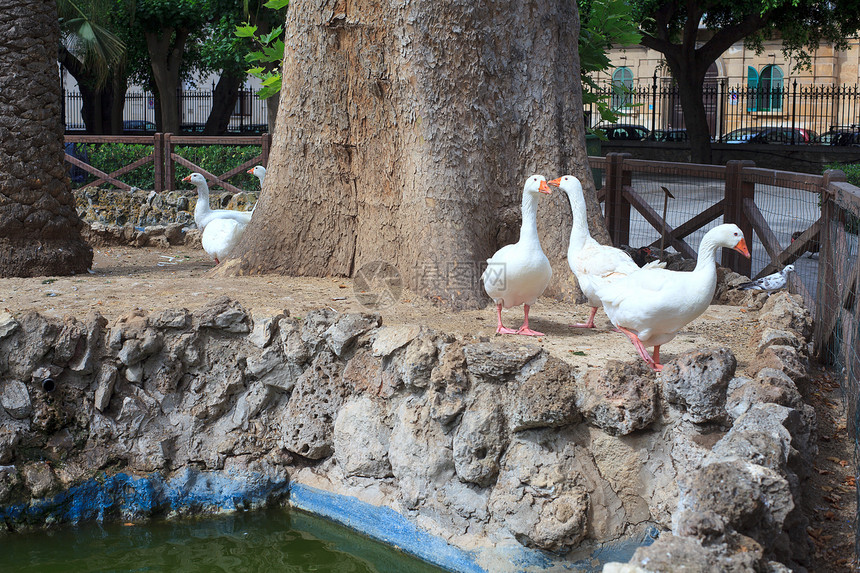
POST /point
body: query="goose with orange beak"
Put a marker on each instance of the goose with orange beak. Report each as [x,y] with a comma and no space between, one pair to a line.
[651,305]
[518,274]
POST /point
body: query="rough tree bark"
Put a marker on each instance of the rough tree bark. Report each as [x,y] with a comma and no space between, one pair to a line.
[39,227]
[405,133]
[166,47]
[223,103]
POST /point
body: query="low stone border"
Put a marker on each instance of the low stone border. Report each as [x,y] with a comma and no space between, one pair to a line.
[496,448]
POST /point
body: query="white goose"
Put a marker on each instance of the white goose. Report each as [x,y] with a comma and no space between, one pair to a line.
[592,263]
[220,236]
[203,213]
[519,273]
[651,305]
[259,172]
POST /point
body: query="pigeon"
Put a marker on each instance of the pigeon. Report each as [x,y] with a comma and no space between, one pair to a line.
[769,283]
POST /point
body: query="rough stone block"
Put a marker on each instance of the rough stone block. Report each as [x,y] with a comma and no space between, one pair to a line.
[15,399]
[696,383]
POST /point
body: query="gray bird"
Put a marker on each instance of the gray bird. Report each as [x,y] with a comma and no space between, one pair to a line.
[769,283]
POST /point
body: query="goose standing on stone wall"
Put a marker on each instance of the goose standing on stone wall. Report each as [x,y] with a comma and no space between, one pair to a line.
[651,305]
[592,263]
[518,274]
[203,213]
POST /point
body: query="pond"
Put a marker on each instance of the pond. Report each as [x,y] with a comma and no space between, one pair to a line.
[286,541]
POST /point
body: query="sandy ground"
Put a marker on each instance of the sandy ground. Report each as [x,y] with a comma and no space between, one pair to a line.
[125,278]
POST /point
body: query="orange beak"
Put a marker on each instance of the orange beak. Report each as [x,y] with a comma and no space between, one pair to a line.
[741,247]
[251,171]
[544,188]
[188,178]
[555,182]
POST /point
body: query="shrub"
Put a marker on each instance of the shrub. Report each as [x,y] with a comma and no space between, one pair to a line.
[216,159]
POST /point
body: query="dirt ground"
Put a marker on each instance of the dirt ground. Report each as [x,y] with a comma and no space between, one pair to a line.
[125,278]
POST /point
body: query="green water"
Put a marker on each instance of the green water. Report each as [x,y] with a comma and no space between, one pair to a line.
[274,540]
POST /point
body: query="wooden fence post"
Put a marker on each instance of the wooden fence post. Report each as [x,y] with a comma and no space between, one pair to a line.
[617,208]
[158,160]
[169,168]
[736,191]
[265,146]
[827,293]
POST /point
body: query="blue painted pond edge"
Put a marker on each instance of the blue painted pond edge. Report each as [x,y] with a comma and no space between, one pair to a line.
[121,496]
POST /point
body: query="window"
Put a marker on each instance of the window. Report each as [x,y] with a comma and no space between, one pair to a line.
[752,86]
[769,95]
[622,85]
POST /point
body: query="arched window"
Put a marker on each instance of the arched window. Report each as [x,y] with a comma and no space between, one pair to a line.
[770,89]
[622,85]
[752,88]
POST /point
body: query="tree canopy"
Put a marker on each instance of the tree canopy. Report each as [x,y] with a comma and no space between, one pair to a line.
[675,29]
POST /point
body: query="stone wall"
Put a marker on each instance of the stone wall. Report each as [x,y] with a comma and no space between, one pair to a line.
[475,454]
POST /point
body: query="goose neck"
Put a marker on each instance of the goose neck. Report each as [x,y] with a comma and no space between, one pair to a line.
[707,254]
[579,228]
[528,230]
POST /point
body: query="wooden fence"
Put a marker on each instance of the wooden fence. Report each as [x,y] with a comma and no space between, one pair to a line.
[738,205]
[165,157]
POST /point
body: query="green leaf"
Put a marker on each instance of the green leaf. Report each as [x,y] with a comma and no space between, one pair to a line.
[246,31]
[277,4]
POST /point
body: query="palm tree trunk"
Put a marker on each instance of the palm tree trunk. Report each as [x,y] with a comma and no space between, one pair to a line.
[39,227]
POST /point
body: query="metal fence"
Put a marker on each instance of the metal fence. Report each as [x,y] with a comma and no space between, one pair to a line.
[250,114]
[821,110]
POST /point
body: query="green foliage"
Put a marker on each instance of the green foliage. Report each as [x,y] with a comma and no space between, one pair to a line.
[269,53]
[216,159]
[604,23]
[851,171]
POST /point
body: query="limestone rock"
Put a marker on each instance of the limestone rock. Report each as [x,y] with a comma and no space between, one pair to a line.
[178,318]
[361,439]
[84,358]
[390,338]
[15,399]
[104,386]
[544,399]
[671,553]
[620,399]
[480,440]
[784,311]
[419,452]
[784,358]
[224,314]
[8,324]
[696,383]
[315,325]
[537,499]
[39,478]
[497,362]
[416,364]
[294,348]
[308,421]
[251,403]
[771,336]
[347,328]
[769,385]
[264,330]
[753,500]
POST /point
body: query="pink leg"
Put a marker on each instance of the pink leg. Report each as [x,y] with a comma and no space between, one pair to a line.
[640,348]
[524,329]
[500,329]
[589,323]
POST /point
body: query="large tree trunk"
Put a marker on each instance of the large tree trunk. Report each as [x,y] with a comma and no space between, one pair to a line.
[224,98]
[689,73]
[405,133]
[39,227]
[165,52]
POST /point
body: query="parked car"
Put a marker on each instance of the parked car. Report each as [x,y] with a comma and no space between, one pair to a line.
[138,126]
[786,135]
[840,135]
[668,135]
[625,132]
[192,128]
